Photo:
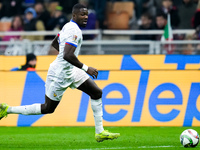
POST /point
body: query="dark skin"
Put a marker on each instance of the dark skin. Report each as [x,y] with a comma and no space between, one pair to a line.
[89,86]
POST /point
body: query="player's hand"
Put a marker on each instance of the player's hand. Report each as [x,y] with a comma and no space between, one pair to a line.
[93,72]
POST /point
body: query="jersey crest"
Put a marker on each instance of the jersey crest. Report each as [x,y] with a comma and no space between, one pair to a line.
[54,94]
[75,38]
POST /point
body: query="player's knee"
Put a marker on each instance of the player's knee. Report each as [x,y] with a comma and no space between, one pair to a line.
[50,111]
[46,110]
[97,94]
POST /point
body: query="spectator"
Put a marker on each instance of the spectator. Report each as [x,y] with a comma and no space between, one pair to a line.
[42,13]
[58,20]
[92,22]
[146,24]
[186,12]
[11,8]
[33,24]
[196,18]
[196,36]
[161,21]
[167,7]
[30,65]
[16,25]
[188,49]
[197,33]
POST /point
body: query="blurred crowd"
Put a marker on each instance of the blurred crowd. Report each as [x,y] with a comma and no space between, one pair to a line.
[48,15]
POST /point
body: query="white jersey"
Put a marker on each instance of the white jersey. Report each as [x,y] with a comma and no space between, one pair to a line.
[70,34]
[62,74]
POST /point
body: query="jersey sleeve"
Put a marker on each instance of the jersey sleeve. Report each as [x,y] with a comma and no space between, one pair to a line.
[71,37]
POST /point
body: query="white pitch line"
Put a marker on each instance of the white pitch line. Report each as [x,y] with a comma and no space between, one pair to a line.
[140,147]
[104,148]
[157,146]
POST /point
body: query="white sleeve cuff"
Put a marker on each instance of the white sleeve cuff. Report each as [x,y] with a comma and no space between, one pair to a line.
[85,67]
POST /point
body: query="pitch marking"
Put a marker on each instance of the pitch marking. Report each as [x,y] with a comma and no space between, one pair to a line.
[139,147]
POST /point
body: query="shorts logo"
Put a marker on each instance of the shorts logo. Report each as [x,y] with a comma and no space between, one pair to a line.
[75,38]
[54,94]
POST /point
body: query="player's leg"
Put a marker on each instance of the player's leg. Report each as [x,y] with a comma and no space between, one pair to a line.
[49,106]
[90,87]
[51,99]
[35,109]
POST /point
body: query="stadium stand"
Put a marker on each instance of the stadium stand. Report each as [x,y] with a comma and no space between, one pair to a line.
[113,38]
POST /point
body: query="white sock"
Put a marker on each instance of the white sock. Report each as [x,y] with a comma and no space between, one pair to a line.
[34,109]
[98,114]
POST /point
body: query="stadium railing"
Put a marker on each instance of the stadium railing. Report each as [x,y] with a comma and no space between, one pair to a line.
[101,45]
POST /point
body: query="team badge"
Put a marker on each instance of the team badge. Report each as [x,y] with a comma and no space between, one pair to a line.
[75,38]
[54,94]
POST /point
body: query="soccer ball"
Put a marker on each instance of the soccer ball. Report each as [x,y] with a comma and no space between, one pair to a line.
[189,138]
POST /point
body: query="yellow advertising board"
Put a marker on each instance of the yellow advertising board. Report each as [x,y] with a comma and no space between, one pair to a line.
[114,62]
[135,93]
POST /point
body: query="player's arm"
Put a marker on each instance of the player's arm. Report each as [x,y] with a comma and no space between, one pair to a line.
[69,56]
[55,43]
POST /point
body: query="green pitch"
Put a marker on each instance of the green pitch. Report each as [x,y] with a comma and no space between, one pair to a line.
[82,138]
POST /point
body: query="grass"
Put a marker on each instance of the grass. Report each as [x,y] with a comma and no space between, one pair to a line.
[82,138]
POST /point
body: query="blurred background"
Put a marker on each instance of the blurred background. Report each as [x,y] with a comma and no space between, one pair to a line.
[114,26]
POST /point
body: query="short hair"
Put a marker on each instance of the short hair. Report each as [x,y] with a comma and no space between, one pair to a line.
[147,16]
[161,14]
[76,8]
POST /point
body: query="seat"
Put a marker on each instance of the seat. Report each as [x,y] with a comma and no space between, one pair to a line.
[118,14]
[5,26]
[120,6]
[118,20]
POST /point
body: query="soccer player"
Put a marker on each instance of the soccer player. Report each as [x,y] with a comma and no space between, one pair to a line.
[67,71]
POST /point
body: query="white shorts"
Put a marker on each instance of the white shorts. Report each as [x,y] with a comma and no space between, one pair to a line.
[59,80]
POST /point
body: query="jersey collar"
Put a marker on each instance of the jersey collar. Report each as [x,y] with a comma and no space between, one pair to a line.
[74,22]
